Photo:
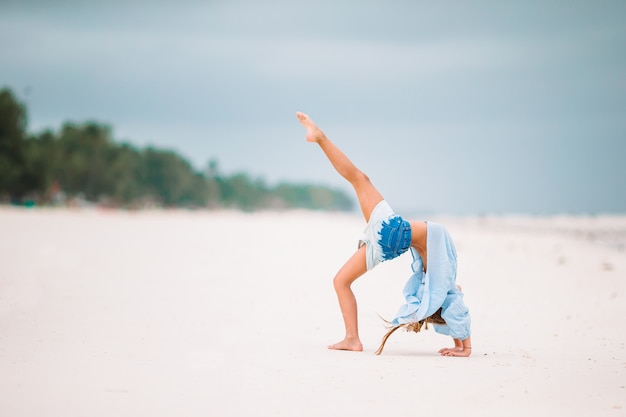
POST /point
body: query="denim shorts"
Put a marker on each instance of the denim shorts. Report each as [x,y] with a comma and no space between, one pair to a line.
[386,235]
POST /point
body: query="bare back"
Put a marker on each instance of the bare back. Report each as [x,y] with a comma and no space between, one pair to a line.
[419,233]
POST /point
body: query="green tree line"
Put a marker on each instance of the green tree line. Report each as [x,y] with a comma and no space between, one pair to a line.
[82,162]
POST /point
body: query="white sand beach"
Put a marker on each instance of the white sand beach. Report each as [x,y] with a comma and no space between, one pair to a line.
[177,313]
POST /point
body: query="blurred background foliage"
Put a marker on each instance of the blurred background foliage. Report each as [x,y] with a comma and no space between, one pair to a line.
[82,164]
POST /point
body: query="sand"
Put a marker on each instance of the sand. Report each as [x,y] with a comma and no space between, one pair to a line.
[176,313]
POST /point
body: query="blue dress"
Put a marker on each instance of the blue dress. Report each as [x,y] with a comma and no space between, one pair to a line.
[426,292]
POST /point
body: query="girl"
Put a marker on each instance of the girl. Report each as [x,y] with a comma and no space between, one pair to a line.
[432,287]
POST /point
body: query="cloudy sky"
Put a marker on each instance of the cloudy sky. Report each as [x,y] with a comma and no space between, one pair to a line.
[449,106]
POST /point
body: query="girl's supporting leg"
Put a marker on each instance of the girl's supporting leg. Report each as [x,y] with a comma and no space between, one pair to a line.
[356,266]
[349,272]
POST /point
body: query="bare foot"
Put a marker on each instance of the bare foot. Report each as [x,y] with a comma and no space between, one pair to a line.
[313,133]
[348,344]
[462,352]
[461,348]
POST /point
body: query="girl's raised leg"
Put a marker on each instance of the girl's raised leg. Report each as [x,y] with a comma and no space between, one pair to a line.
[366,193]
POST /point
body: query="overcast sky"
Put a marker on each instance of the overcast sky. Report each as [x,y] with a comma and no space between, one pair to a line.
[449,106]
